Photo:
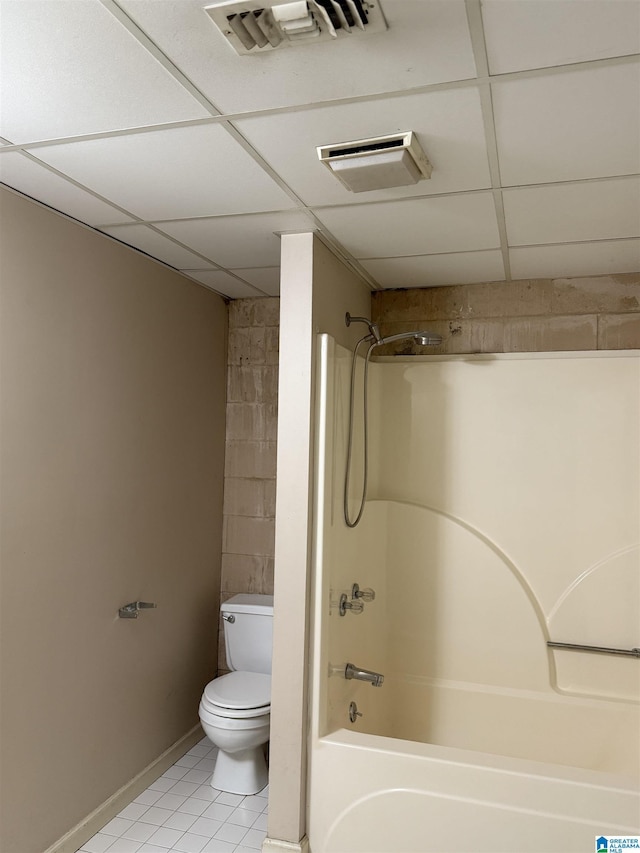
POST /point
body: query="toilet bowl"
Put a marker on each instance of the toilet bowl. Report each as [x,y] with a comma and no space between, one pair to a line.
[235,709]
[235,717]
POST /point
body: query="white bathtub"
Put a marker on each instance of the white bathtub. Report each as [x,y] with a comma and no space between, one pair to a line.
[480,740]
[379,795]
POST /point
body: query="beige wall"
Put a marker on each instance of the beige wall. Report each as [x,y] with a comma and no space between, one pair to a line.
[538,315]
[112,462]
[250,468]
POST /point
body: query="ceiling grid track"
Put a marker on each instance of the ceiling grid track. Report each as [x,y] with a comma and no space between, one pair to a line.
[181,78]
[173,69]
[479,47]
[588,205]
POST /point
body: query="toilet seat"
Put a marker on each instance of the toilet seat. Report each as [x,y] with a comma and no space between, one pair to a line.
[238,695]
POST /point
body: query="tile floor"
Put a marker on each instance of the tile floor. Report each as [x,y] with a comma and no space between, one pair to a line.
[181,812]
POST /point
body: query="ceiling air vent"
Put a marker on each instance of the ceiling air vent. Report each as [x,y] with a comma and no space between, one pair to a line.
[252,27]
[375,164]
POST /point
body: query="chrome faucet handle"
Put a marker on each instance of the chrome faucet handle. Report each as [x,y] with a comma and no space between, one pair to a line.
[366,594]
[353,606]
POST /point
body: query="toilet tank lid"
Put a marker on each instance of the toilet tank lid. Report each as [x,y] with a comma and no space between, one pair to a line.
[245,603]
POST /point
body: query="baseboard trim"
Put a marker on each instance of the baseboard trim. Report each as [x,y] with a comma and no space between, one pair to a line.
[274,845]
[92,823]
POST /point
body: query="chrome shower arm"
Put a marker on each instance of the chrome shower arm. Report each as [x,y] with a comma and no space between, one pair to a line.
[374,331]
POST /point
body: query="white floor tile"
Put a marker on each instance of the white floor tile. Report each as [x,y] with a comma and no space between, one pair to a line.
[218,846]
[229,799]
[190,843]
[230,832]
[162,784]
[200,776]
[98,844]
[200,749]
[140,832]
[206,826]
[171,801]
[125,845]
[186,789]
[148,798]
[116,826]
[217,811]
[193,806]
[206,792]
[133,811]
[180,821]
[174,772]
[188,761]
[164,837]
[261,822]
[254,804]
[242,817]
[254,838]
[156,816]
[181,813]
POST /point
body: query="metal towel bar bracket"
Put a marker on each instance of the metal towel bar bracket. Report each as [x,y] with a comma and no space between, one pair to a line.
[599,650]
[130,611]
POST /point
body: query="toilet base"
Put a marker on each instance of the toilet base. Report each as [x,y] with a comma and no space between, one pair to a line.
[244,772]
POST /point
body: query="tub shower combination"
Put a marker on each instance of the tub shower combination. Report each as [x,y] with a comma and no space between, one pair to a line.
[450,711]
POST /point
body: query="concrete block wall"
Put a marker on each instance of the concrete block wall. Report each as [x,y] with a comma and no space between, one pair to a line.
[250,465]
[601,312]
[537,315]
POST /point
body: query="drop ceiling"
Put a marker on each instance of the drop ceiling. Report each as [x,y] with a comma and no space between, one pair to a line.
[136,118]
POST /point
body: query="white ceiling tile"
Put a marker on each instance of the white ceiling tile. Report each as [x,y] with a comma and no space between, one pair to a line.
[431,270]
[223,283]
[238,241]
[540,33]
[568,126]
[575,259]
[23,174]
[147,240]
[170,174]
[415,227]
[70,68]
[566,213]
[266,279]
[425,43]
[448,125]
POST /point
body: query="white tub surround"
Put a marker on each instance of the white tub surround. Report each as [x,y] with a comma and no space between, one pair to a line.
[503,512]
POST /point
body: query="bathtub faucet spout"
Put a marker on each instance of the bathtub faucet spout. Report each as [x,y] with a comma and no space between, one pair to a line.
[374,678]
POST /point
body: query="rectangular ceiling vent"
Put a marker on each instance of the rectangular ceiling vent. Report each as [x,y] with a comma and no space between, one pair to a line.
[383,162]
[252,27]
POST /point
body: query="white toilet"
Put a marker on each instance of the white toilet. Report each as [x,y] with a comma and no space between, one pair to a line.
[235,708]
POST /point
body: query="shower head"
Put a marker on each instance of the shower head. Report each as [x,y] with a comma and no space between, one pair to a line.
[423,339]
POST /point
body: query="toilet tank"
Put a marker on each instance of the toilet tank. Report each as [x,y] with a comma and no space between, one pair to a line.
[248,632]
